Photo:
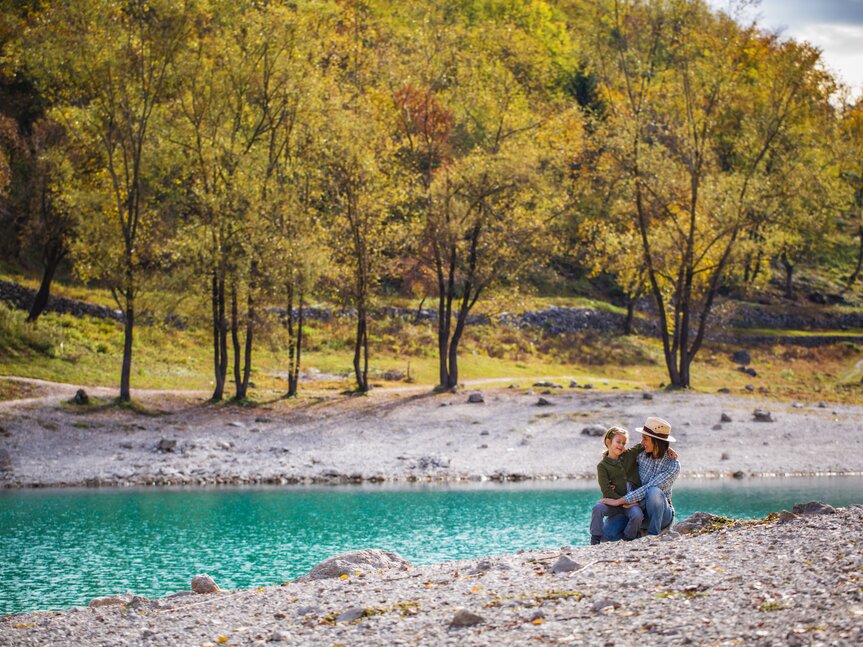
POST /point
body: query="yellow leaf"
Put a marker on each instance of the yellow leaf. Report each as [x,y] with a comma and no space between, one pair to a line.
[222,640]
[23,625]
[538,621]
[476,588]
[344,577]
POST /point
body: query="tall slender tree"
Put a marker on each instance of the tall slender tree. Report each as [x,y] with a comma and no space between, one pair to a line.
[107,66]
[696,105]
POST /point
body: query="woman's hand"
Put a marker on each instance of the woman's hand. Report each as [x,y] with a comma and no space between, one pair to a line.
[672,454]
[614,502]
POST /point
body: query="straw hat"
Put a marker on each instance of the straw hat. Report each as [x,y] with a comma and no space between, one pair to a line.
[658,428]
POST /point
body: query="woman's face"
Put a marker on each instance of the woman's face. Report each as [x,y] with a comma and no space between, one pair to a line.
[647,443]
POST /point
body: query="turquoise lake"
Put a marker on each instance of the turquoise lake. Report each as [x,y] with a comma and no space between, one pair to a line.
[60,548]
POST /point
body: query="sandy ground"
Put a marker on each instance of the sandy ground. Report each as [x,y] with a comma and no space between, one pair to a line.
[406,435]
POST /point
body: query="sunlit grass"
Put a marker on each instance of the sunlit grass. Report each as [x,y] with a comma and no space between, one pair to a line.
[403,354]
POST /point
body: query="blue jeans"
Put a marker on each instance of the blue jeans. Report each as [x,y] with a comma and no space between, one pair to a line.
[659,513]
[631,519]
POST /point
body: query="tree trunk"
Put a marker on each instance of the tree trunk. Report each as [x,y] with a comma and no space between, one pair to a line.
[52,262]
[856,273]
[235,339]
[295,342]
[789,275]
[243,390]
[444,318]
[218,306]
[683,375]
[361,352]
[128,328]
[223,334]
[630,316]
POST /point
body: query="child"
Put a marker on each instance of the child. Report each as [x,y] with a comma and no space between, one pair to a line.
[617,474]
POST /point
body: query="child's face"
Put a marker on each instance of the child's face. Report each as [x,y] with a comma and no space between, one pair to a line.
[616,445]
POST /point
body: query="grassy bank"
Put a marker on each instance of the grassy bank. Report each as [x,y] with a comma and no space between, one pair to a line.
[88,351]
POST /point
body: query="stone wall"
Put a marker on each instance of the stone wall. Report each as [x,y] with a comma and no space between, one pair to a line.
[20,297]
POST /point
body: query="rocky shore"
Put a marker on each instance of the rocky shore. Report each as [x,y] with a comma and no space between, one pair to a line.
[789,579]
[542,433]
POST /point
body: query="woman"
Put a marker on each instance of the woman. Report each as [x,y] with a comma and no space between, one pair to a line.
[658,472]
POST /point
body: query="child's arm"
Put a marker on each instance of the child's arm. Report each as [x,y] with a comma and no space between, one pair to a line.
[604,482]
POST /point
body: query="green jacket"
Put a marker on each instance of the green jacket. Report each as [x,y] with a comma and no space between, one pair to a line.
[618,472]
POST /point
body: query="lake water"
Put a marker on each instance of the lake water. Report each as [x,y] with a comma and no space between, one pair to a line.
[60,548]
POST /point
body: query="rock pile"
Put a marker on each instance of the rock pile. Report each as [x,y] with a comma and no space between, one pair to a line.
[22,298]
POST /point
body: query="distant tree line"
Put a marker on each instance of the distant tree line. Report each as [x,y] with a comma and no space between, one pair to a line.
[265,154]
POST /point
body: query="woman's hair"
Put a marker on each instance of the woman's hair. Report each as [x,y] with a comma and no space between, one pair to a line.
[659,447]
[611,433]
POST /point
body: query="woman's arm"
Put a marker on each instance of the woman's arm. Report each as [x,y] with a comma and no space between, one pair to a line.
[663,477]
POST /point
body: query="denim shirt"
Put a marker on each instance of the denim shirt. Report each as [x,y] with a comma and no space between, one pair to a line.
[654,473]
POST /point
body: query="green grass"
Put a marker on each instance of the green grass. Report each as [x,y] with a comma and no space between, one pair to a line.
[773,332]
[88,351]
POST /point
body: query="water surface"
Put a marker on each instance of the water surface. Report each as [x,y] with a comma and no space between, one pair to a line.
[60,548]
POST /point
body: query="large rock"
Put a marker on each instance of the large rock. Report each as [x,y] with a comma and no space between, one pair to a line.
[741,357]
[594,430]
[356,561]
[110,600]
[760,415]
[166,445]
[564,565]
[700,521]
[204,584]
[465,618]
[813,507]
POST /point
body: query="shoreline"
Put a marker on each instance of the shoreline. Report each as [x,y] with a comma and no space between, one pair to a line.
[404,438]
[576,482]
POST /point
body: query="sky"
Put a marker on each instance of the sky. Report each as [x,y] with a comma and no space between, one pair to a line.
[834,26]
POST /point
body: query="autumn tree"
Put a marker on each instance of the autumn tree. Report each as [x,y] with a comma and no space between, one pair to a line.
[851,162]
[224,114]
[53,211]
[106,66]
[483,140]
[696,105]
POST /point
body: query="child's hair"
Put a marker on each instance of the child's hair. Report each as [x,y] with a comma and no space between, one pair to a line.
[611,433]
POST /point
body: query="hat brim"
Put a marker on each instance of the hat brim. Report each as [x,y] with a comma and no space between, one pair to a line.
[669,437]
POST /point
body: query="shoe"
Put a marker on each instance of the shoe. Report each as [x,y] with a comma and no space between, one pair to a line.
[595,539]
